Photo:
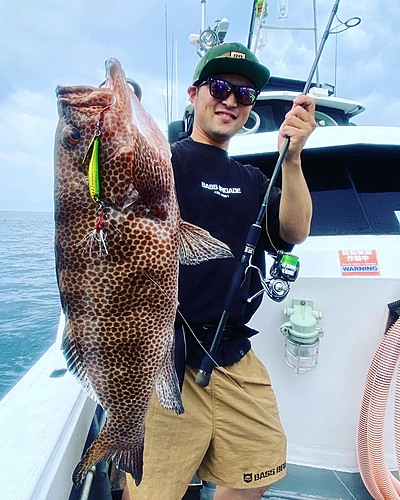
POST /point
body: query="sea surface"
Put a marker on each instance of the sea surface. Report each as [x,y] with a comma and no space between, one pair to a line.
[29,300]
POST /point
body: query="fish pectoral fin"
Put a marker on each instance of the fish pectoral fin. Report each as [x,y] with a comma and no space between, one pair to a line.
[167,386]
[197,245]
[75,362]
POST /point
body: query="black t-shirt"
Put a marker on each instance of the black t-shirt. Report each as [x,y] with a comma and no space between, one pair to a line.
[223,196]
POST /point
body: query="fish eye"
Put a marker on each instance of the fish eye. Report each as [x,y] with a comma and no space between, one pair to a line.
[74,135]
[71,136]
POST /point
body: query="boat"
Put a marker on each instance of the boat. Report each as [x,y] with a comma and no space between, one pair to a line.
[349,274]
[355,216]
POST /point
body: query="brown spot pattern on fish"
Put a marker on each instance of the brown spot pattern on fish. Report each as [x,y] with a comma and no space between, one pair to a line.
[120,307]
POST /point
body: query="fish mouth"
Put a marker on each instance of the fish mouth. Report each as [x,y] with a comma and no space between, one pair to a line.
[114,74]
[114,69]
[78,91]
[115,87]
[62,90]
[115,83]
[83,96]
[116,78]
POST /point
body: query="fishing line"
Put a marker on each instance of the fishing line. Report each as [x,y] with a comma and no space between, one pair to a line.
[350,23]
[266,228]
[221,368]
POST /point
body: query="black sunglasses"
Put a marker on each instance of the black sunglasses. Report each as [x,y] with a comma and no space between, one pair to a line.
[220,89]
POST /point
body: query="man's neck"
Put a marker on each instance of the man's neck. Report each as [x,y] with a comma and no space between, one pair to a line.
[199,136]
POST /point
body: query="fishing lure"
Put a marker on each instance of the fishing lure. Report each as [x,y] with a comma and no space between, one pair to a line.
[97,237]
[94,170]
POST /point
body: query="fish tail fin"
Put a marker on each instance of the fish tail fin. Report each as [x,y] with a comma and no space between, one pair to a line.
[127,456]
[197,245]
[98,450]
[167,386]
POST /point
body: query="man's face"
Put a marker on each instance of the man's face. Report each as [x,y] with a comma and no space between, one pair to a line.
[219,119]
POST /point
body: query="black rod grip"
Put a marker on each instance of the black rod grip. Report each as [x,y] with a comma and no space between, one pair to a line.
[234,286]
[207,365]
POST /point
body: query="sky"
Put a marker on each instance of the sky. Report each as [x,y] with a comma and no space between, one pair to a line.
[45,43]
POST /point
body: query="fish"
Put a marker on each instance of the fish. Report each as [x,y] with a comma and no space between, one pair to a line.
[119,239]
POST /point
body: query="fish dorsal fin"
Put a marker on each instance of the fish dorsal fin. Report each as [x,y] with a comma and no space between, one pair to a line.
[197,245]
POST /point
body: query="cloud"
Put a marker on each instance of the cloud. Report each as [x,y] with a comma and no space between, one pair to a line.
[386,112]
[28,124]
[52,42]
[26,150]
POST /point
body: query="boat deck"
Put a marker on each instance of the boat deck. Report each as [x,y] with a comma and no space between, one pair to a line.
[305,483]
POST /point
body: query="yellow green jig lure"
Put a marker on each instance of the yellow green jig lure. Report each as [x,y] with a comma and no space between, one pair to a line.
[94,171]
[98,237]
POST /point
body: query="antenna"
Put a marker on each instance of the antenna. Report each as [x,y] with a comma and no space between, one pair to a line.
[173,90]
[176,81]
[166,59]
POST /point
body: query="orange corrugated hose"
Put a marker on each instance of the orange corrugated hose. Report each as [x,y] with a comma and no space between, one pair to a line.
[378,479]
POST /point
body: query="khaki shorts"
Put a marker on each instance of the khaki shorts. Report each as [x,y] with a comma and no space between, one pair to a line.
[224,436]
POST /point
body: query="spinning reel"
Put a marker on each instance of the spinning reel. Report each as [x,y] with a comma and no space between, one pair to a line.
[284,270]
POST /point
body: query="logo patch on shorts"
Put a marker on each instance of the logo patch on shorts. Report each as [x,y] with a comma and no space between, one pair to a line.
[248,478]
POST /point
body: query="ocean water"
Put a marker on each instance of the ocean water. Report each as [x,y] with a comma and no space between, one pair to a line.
[29,300]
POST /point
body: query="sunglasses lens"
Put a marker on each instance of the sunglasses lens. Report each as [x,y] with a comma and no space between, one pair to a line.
[220,89]
[246,95]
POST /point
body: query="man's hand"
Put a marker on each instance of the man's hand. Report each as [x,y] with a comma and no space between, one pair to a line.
[298,125]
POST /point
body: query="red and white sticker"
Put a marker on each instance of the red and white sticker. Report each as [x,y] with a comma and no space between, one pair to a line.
[359,263]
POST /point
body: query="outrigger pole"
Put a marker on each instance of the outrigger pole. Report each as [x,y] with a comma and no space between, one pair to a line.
[208,363]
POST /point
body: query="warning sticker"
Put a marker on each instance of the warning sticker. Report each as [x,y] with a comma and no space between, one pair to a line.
[359,263]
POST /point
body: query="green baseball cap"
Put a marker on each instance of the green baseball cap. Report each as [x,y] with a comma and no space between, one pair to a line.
[232,58]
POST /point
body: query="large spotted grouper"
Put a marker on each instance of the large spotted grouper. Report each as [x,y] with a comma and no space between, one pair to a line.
[119,240]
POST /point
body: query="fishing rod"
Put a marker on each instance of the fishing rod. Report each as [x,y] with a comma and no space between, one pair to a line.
[285,268]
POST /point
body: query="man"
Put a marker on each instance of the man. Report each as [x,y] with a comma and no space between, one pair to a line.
[230,431]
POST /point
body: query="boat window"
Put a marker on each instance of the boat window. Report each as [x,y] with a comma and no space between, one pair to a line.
[375,180]
[252,124]
[336,207]
[272,113]
[331,116]
[324,120]
[354,189]
[268,119]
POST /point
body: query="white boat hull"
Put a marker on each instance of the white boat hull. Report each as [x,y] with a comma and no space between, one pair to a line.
[320,409]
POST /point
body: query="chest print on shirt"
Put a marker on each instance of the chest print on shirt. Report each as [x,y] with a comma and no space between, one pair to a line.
[219,190]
